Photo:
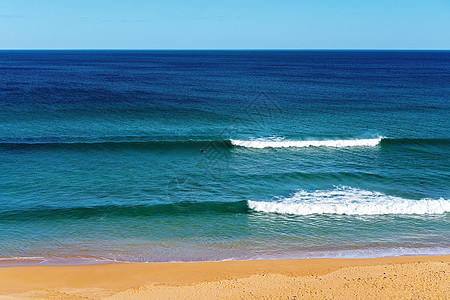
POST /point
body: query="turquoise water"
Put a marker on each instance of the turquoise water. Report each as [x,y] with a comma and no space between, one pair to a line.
[305,154]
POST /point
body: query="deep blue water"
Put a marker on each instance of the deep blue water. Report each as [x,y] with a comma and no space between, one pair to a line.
[306,154]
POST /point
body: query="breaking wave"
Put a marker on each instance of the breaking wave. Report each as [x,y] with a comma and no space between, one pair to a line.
[350,201]
[78,143]
[281,143]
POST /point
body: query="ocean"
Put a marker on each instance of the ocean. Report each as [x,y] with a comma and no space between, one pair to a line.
[157,156]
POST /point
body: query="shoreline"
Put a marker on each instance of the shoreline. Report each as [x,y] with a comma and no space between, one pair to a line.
[35,261]
[384,277]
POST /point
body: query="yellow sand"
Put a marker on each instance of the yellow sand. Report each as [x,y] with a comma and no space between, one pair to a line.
[380,278]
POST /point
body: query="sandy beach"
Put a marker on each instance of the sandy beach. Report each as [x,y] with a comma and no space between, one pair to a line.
[380,278]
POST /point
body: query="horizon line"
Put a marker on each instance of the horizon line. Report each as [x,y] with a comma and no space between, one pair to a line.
[224,49]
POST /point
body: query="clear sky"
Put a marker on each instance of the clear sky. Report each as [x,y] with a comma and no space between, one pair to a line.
[226,24]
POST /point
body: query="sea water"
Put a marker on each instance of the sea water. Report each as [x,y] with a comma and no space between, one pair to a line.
[154,156]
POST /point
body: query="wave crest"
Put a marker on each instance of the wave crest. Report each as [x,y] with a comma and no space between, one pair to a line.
[350,201]
[111,211]
[279,143]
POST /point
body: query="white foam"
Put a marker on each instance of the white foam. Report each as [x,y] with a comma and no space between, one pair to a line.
[281,143]
[22,258]
[350,201]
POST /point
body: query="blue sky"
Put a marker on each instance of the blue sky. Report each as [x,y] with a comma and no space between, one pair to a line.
[194,24]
